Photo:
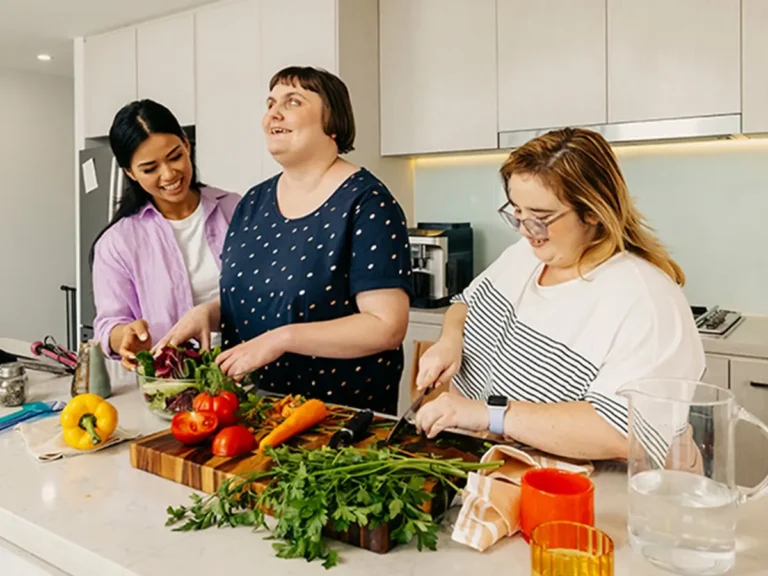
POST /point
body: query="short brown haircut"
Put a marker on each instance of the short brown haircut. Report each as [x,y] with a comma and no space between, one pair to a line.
[338,118]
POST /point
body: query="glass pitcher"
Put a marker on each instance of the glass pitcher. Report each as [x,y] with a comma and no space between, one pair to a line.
[682,490]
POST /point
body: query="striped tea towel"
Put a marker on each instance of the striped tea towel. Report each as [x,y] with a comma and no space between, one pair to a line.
[491,500]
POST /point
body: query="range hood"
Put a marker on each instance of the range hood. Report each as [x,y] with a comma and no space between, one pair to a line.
[676,129]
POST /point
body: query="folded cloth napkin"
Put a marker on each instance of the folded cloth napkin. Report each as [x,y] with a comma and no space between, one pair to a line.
[45,440]
[491,499]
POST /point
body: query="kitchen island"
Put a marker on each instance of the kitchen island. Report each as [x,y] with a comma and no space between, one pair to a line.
[95,515]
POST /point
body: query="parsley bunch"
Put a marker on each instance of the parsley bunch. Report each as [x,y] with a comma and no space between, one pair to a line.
[309,490]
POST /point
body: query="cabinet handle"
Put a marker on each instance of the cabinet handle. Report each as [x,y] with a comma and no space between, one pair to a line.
[758,384]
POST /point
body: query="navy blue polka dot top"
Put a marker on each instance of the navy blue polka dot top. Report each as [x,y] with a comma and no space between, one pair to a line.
[278,271]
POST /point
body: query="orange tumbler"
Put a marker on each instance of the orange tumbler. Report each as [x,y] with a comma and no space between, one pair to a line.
[548,494]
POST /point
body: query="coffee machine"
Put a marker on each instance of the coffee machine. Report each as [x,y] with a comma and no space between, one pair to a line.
[442,262]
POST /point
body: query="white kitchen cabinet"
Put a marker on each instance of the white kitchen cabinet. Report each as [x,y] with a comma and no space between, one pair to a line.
[417,331]
[241,45]
[109,81]
[749,382]
[718,371]
[311,21]
[313,42]
[754,62]
[672,59]
[438,75]
[166,64]
[230,142]
[557,81]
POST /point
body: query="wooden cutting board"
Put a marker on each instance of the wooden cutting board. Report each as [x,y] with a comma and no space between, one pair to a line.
[197,467]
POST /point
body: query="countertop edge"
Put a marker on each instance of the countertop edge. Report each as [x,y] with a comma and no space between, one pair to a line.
[51,548]
[27,560]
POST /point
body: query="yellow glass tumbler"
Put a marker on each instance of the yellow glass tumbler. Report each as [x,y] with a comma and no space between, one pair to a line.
[570,549]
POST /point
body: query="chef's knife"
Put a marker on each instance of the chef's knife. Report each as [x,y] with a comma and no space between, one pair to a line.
[353,430]
[410,413]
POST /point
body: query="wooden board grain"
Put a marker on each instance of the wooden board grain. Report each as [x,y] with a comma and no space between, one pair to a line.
[197,467]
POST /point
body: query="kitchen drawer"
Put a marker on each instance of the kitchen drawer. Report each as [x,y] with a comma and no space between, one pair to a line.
[416,332]
[749,382]
[718,371]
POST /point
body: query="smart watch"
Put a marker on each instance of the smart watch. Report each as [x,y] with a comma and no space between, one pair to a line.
[497,408]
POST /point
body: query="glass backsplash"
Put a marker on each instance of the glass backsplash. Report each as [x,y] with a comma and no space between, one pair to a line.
[708,202]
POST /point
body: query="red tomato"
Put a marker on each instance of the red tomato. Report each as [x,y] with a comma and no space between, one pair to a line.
[223,404]
[233,441]
[193,427]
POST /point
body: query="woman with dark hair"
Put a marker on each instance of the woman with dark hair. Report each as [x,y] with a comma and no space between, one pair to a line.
[316,278]
[160,254]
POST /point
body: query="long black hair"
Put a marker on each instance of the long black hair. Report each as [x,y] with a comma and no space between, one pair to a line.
[131,126]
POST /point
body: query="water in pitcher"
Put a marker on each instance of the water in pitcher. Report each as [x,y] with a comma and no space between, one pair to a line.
[683,522]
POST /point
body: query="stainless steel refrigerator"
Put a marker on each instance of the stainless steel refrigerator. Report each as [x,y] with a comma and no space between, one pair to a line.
[101,185]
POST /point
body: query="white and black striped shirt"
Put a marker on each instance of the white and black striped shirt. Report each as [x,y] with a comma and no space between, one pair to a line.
[578,341]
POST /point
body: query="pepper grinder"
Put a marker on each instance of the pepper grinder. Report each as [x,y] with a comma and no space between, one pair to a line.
[91,375]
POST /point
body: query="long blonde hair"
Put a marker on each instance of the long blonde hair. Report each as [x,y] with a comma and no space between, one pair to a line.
[580,168]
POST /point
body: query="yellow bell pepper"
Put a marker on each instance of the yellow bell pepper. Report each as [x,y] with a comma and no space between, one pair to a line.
[87,421]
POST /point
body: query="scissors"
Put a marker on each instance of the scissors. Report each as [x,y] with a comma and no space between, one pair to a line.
[51,349]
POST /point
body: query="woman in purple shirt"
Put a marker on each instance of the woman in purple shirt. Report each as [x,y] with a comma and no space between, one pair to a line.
[160,255]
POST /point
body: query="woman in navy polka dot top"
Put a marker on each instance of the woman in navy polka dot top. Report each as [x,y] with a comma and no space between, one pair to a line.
[316,278]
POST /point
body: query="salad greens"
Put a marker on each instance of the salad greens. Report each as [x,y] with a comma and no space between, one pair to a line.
[171,380]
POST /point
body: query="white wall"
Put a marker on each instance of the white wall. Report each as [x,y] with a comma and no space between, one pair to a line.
[37,209]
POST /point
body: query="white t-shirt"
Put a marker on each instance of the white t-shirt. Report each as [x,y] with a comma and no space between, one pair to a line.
[198,258]
[577,341]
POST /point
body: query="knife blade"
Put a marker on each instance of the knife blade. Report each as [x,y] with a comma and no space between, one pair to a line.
[353,430]
[411,412]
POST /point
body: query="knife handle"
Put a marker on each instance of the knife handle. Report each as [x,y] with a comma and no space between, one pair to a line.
[20,416]
[358,424]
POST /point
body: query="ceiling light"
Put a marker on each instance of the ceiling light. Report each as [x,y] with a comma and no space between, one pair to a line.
[44,57]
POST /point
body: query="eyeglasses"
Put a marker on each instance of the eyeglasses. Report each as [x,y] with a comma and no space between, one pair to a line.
[536,227]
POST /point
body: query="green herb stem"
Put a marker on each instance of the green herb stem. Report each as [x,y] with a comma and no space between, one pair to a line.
[311,490]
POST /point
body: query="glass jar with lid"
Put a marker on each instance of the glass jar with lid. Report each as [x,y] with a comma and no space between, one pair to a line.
[13,384]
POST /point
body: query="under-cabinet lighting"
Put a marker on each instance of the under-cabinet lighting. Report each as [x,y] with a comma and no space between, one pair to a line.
[621,150]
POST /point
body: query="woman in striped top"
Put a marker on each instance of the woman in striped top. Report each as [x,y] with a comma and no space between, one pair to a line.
[586,301]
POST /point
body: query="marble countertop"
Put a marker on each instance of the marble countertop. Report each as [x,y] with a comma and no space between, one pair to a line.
[749,338]
[95,515]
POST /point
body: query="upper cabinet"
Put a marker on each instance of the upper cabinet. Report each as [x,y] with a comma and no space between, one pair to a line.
[754,62]
[431,76]
[313,35]
[166,64]
[313,42]
[110,78]
[556,80]
[438,75]
[672,59]
[230,145]
[238,48]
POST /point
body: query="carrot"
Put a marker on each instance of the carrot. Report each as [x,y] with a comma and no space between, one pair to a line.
[301,418]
